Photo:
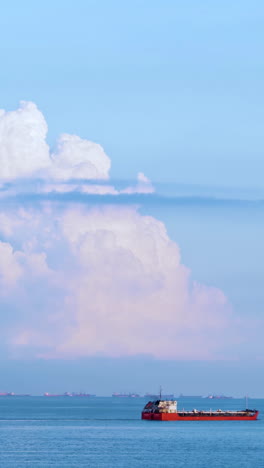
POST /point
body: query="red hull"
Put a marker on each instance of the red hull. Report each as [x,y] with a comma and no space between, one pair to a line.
[179,417]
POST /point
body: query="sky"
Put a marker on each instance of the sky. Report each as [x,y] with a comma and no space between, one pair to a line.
[132,196]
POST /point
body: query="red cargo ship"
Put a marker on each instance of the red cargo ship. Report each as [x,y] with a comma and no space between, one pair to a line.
[166,410]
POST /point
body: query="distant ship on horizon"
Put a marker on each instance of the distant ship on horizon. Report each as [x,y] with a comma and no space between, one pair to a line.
[12,394]
[189,396]
[67,394]
[218,397]
[125,395]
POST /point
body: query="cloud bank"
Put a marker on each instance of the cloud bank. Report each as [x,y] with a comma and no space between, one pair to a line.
[82,280]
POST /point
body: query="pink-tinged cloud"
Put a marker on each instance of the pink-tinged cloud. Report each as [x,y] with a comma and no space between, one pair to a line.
[108,281]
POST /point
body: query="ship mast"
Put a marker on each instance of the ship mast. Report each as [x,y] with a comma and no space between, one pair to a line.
[246,401]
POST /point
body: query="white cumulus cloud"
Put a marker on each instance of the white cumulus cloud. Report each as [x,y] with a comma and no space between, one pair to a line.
[81,279]
[23,147]
[24,153]
[143,185]
[76,158]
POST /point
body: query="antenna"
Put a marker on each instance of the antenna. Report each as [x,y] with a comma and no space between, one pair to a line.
[160,392]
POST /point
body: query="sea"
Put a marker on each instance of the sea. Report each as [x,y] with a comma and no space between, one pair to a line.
[107,432]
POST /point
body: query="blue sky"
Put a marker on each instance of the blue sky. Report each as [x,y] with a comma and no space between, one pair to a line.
[175,82]
[173,89]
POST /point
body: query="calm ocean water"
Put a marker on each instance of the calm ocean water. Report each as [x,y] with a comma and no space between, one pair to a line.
[108,432]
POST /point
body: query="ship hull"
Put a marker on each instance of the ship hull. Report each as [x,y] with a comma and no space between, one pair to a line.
[196,417]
